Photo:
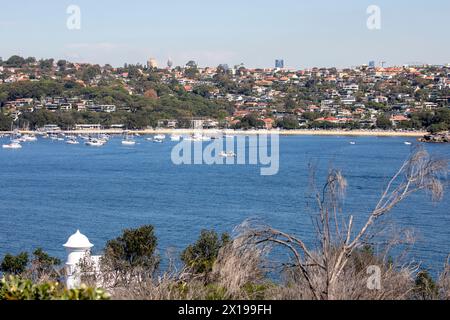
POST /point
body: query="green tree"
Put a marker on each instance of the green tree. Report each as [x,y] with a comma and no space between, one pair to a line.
[46,64]
[426,288]
[191,73]
[134,248]
[288,122]
[14,264]
[90,73]
[384,122]
[43,263]
[30,60]
[5,122]
[200,256]
[15,62]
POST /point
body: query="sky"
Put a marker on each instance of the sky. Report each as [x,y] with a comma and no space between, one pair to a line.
[305,33]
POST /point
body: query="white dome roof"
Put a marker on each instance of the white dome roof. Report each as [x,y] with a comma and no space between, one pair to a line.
[78,240]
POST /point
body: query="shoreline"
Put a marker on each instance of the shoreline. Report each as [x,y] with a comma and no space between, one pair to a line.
[352,133]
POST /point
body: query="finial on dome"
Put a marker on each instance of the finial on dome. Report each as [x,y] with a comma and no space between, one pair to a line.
[78,241]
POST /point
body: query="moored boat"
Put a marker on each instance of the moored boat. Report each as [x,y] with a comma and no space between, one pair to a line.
[175,138]
[94,143]
[12,145]
[72,141]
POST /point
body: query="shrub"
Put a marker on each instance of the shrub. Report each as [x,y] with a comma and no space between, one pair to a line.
[16,288]
[135,248]
[14,264]
[200,257]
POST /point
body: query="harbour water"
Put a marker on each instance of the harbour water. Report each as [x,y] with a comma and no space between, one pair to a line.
[49,189]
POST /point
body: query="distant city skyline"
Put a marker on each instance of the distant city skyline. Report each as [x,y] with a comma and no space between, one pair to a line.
[325,33]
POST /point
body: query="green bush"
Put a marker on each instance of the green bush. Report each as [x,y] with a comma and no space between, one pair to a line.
[135,248]
[14,264]
[15,288]
[200,256]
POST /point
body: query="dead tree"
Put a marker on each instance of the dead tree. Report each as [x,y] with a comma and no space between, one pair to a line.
[321,267]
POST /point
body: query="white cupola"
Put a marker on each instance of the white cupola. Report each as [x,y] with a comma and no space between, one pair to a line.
[77,246]
[78,241]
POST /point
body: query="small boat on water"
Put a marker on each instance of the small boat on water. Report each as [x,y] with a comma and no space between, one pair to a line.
[408,143]
[15,140]
[155,140]
[159,137]
[29,138]
[175,138]
[229,154]
[128,142]
[104,137]
[197,137]
[94,142]
[12,145]
[353,143]
[72,141]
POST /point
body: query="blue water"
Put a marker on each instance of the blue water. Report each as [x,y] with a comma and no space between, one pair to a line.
[49,189]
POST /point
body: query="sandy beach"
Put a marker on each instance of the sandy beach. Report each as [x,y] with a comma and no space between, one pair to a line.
[355,133]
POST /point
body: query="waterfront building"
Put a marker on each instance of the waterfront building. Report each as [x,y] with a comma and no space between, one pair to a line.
[88,127]
[279,64]
[50,128]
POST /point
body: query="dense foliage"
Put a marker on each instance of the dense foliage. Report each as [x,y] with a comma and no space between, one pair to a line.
[16,288]
[200,256]
[134,111]
[134,248]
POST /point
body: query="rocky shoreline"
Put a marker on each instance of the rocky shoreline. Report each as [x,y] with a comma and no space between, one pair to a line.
[442,137]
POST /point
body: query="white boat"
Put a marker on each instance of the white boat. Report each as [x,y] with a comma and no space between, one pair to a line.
[29,138]
[158,140]
[12,145]
[352,143]
[175,138]
[229,154]
[104,137]
[195,138]
[408,143]
[160,137]
[72,141]
[128,142]
[95,143]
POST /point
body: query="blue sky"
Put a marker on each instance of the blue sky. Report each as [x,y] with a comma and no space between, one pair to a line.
[304,33]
